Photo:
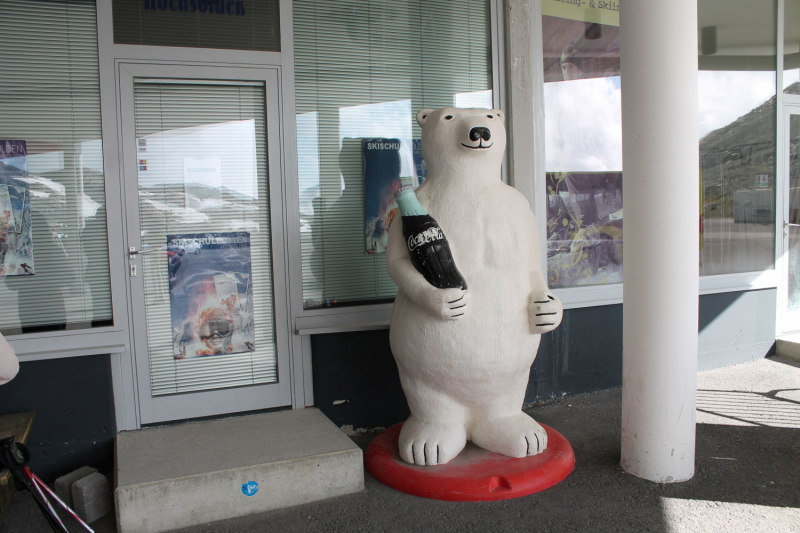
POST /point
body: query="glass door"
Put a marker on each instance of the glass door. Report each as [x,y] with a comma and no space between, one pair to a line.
[791,228]
[205,232]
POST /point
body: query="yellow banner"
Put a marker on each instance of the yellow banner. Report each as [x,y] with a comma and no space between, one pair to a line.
[597,11]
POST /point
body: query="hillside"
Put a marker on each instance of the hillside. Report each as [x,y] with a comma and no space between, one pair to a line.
[732,156]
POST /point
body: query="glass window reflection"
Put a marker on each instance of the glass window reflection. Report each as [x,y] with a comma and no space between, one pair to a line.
[362,71]
[583,151]
[54,273]
[736,97]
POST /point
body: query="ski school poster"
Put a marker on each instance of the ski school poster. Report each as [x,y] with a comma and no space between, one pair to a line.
[211,294]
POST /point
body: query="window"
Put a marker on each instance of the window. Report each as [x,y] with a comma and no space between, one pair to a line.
[583,134]
[54,271]
[363,70]
[203,176]
[737,117]
[583,145]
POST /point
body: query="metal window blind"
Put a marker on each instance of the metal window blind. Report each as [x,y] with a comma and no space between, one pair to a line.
[398,57]
[50,98]
[225,120]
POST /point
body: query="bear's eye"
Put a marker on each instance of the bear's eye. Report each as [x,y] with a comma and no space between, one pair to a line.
[448,117]
[424,116]
[490,116]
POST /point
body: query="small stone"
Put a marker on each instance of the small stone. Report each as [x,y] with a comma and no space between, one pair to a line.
[92,497]
[63,484]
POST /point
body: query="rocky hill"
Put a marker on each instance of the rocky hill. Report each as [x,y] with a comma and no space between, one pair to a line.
[732,156]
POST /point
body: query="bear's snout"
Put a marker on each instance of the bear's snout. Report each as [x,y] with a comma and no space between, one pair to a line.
[480,133]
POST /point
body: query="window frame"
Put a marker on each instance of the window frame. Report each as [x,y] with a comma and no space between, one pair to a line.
[107,339]
[597,295]
[375,316]
[366,317]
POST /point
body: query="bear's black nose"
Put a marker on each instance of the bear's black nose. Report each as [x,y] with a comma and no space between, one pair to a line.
[480,133]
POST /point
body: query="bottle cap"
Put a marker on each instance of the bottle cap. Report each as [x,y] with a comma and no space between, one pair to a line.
[401,190]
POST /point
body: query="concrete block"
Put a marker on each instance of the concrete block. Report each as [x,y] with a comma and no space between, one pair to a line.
[63,485]
[788,346]
[178,476]
[92,497]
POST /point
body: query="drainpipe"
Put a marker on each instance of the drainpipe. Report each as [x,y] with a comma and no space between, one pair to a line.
[658,47]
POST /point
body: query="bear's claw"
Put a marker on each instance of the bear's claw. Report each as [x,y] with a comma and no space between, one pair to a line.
[431,443]
[515,436]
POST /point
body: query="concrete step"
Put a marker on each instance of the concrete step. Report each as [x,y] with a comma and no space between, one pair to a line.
[788,346]
[171,477]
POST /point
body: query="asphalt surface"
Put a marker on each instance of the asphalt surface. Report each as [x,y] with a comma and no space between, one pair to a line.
[747,475]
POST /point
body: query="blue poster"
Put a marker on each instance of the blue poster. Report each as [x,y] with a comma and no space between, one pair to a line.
[211,294]
[16,241]
[419,163]
[382,177]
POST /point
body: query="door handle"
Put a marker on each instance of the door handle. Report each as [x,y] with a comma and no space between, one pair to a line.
[786,227]
[133,252]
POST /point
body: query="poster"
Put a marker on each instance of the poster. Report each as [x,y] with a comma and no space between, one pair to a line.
[16,242]
[6,213]
[382,177]
[584,228]
[211,294]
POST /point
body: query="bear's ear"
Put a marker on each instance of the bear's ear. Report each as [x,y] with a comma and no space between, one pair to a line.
[500,114]
[422,116]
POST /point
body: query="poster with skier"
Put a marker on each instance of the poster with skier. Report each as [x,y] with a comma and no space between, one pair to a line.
[211,294]
[16,241]
[388,165]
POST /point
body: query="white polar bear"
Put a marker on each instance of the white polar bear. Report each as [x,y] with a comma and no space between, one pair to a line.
[464,357]
[9,365]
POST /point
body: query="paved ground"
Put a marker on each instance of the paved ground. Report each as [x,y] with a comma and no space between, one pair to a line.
[747,480]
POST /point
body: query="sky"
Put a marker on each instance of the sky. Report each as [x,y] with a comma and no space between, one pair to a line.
[583,121]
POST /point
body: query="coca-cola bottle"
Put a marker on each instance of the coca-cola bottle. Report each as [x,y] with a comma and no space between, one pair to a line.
[427,245]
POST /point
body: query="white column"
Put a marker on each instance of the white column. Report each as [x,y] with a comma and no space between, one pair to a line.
[661,215]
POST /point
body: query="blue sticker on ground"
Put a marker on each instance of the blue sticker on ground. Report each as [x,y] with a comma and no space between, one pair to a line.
[250,488]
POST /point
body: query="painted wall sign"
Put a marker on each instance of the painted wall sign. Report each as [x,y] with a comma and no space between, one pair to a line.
[223,24]
[220,7]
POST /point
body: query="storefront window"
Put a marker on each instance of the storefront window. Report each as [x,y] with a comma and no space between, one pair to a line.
[583,140]
[363,70]
[737,117]
[54,271]
[583,145]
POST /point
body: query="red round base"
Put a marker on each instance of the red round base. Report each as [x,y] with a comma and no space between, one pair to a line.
[475,475]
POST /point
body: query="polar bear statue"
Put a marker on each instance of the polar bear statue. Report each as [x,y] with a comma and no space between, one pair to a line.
[9,365]
[464,357]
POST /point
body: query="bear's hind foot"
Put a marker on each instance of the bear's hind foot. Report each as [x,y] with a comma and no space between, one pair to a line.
[517,435]
[431,443]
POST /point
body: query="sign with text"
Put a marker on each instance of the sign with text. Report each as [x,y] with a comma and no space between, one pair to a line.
[597,11]
[226,24]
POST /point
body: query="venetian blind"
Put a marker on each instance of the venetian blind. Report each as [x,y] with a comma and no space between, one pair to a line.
[363,70]
[50,98]
[222,123]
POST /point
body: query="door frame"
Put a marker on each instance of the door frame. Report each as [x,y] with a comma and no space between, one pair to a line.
[228,400]
[787,109]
